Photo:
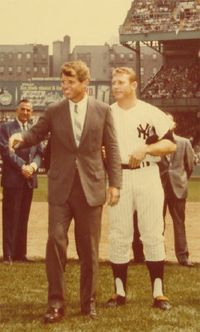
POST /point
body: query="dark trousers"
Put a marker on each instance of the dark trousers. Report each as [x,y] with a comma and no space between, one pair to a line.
[15,211]
[177,211]
[87,236]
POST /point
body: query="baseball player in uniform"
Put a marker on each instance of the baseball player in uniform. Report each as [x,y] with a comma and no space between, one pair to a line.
[143,133]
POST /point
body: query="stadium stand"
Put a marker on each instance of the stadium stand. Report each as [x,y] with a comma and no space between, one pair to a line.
[174,82]
[162,15]
[173,29]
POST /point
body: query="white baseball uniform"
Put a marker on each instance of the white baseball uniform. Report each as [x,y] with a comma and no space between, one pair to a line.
[141,188]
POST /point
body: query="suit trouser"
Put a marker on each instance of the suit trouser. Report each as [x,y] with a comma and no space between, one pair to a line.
[177,211]
[15,209]
[87,236]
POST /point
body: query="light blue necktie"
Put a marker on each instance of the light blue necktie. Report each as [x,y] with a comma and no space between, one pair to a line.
[77,125]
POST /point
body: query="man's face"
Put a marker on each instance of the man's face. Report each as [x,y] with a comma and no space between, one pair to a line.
[122,88]
[24,112]
[72,88]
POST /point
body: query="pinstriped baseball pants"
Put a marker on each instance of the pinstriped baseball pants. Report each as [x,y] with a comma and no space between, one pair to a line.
[142,191]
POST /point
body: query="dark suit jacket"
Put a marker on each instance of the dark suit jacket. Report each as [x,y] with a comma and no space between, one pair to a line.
[179,167]
[13,161]
[66,157]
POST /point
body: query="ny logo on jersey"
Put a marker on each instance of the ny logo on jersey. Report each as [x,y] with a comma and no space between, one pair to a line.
[143,131]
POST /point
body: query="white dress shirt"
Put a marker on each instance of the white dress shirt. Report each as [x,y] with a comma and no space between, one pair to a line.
[82,108]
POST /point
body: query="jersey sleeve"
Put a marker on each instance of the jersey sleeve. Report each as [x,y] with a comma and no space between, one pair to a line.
[161,122]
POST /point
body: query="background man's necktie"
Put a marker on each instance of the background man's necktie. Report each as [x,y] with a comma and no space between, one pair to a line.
[23,126]
[77,125]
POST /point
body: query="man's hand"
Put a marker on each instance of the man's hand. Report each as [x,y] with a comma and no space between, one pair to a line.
[14,141]
[27,171]
[113,195]
[137,156]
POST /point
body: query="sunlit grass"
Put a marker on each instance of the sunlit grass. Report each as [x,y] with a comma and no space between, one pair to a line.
[40,194]
[24,295]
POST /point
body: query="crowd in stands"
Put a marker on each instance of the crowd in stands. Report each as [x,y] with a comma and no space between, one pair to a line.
[186,124]
[6,117]
[174,82]
[162,15]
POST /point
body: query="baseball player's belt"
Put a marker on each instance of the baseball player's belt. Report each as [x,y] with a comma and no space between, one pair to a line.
[143,164]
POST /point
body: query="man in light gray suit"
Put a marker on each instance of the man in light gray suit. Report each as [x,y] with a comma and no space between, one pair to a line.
[175,170]
[79,126]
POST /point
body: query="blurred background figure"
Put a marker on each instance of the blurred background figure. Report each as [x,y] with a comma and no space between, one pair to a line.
[175,171]
[18,181]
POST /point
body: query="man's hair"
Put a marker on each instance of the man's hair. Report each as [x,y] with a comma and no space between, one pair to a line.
[76,68]
[125,70]
[24,100]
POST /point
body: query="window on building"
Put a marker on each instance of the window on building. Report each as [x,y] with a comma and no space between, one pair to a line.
[43,70]
[19,70]
[122,55]
[19,56]
[28,55]
[43,56]
[28,70]
[142,71]
[10,70]
[35,69]
[130,56]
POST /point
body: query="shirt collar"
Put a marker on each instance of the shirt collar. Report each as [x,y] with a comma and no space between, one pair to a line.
[22,124]
[82,103]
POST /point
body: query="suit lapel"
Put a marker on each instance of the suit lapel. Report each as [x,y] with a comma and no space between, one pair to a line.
[88,118]
[65,124]
[15,126]
[172,155]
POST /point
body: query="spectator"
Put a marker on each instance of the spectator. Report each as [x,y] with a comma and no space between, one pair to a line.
[175,171]
[18,181]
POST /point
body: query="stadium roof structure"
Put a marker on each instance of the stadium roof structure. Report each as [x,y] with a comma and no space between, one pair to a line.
[173,29]
[155,21]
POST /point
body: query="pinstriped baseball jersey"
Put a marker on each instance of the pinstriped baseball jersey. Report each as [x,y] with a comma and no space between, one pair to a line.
[141,188]
[135,125]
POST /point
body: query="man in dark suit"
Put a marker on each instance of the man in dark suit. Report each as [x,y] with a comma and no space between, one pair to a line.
[175,170]
[79,127]
[18,181]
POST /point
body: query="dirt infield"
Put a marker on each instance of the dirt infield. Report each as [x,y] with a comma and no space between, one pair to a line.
[37,233]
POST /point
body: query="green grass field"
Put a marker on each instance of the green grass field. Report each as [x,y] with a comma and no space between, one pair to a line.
[40,194]
[24,295]
[194,190]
